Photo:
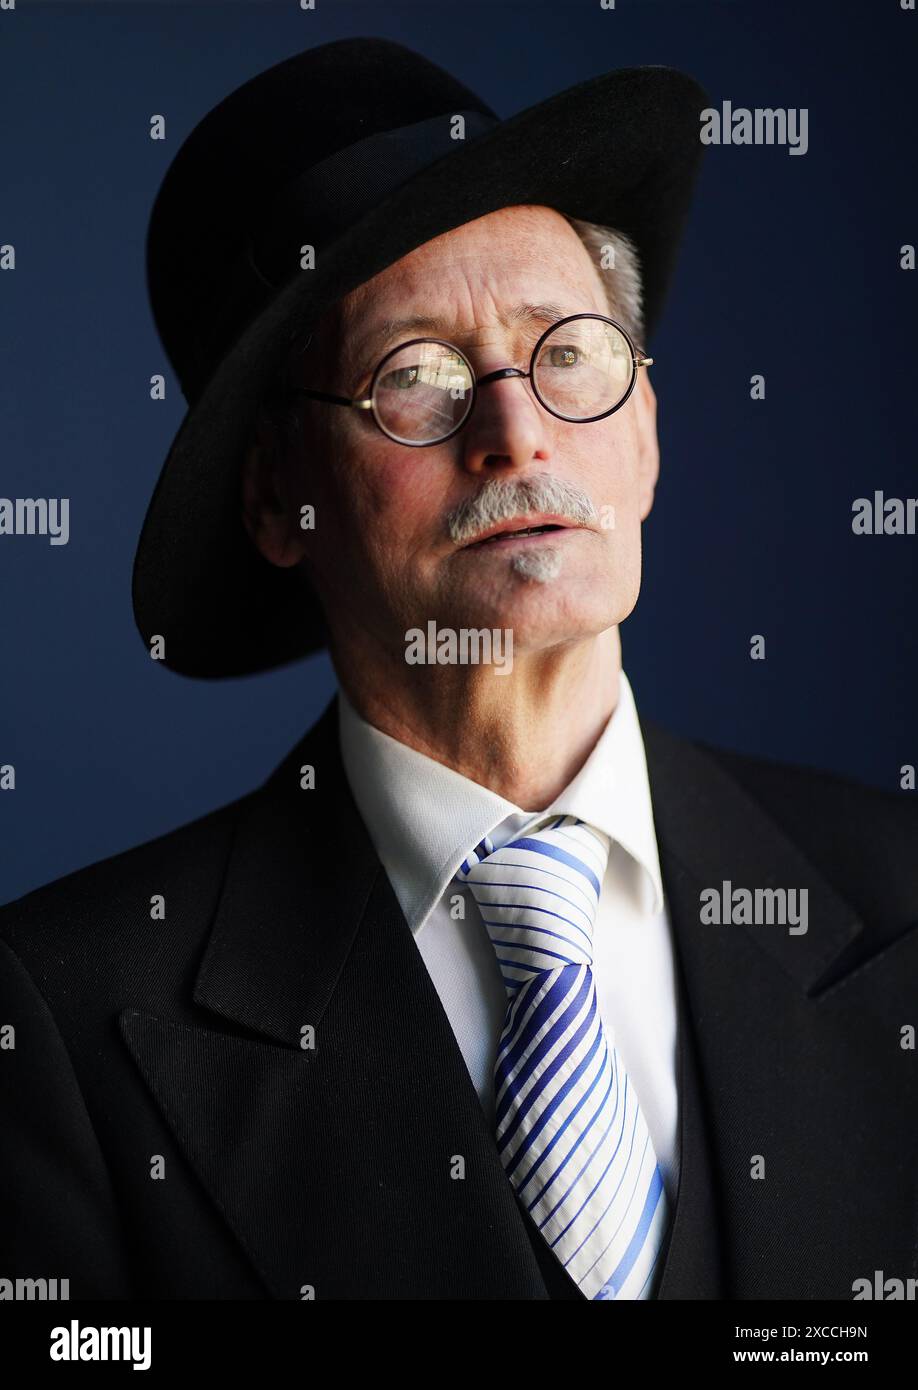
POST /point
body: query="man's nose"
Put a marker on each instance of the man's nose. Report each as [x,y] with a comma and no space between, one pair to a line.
[507,428]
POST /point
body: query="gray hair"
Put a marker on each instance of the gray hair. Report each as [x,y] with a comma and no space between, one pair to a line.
[612,252]
[616,259]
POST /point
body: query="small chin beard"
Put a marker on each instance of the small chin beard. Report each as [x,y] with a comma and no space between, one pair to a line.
[540,565]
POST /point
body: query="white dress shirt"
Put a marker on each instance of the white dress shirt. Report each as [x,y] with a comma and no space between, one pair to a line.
[424,818]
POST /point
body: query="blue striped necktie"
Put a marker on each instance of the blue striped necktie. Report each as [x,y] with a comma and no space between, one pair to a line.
[569,1128]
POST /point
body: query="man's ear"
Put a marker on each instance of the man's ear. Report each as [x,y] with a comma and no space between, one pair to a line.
[269,510]
[648,443]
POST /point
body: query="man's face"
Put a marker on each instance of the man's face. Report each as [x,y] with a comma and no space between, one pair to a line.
[382,554]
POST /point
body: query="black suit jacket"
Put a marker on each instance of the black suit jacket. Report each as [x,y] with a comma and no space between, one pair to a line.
[165,1135]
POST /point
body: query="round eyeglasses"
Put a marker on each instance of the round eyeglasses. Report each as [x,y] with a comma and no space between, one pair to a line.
[423,391]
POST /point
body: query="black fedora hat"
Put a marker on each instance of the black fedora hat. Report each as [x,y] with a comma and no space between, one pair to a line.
[349,147]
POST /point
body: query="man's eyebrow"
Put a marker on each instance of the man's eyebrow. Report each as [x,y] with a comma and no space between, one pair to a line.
[383,333]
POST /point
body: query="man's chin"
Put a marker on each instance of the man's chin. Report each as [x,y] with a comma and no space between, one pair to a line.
[539,610]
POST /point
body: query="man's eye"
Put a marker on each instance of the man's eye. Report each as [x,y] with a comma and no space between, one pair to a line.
[564,356]
[401,377]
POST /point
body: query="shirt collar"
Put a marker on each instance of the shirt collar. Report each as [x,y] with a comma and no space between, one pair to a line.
[423,817]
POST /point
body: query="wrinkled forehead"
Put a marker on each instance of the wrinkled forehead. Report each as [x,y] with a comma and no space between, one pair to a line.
[479,274]
[512,250]
[483,272]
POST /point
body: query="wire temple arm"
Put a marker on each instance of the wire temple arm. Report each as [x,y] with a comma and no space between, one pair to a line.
[361,403]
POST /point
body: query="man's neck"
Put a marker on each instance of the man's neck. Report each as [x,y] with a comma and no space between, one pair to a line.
[524,735]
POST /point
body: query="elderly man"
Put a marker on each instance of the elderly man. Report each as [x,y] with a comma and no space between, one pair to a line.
[493,990]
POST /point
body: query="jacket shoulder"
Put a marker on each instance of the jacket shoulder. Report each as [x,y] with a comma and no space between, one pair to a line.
[184,867]
[861,837]
[800,790]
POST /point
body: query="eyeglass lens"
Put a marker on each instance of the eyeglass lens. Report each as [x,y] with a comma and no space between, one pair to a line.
[423,390]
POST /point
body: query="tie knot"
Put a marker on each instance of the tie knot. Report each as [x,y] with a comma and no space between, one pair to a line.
[538,895]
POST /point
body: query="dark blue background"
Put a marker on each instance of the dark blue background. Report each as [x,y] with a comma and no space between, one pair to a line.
[790,267]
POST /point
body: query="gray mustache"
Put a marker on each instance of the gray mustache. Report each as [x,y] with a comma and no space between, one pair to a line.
[502,499]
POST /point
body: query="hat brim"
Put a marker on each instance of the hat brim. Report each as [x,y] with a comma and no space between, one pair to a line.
[621,150]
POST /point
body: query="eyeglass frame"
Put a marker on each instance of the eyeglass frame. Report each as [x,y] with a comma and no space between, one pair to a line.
[638,359]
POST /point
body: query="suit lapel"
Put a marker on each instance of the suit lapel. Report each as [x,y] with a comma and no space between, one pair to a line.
[799,1062]
[693,1263]
[363,1166]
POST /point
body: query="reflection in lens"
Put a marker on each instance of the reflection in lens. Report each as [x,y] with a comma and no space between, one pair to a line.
[584,368]
[423,392]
